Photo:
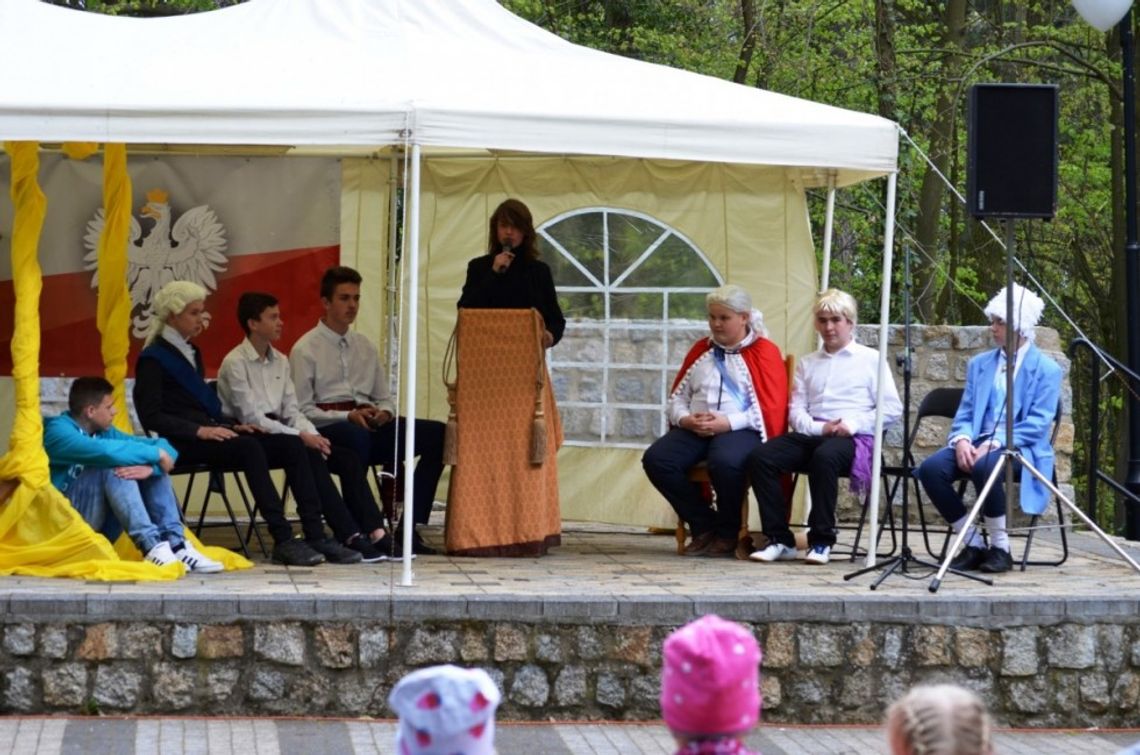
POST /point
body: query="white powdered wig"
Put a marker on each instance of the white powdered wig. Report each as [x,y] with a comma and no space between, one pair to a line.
[737,299]
[1027,310]
[171,299]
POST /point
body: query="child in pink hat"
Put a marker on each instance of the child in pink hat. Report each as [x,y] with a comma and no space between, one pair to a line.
[710,686]
[445,710]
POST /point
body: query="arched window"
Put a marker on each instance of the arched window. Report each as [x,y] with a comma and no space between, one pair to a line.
[633,292]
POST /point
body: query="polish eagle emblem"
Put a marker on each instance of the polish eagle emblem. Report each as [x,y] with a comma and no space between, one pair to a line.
[193,250]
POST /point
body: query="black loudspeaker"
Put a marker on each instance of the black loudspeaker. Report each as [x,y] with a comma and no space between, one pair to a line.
[1011,170]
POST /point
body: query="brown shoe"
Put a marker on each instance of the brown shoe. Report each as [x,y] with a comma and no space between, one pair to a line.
[722,546]
[700,543]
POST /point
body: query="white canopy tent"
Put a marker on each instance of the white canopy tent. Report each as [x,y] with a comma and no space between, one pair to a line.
[414,77]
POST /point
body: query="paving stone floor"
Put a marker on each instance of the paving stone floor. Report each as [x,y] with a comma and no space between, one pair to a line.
[174,736]
[623,564]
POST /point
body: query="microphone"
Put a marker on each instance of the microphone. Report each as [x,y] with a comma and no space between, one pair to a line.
[506,249]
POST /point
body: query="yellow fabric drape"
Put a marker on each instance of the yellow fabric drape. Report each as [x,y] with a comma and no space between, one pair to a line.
[114,309]
[40,533]
[26,459]
[80,150]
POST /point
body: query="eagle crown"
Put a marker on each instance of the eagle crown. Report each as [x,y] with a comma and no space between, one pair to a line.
[158,196]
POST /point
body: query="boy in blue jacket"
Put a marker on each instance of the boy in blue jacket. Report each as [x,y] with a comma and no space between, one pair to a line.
[100,468]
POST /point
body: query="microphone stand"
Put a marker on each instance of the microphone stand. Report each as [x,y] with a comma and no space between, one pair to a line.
[905,560]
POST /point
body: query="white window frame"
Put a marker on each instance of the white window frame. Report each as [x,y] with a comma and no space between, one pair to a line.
[607,289]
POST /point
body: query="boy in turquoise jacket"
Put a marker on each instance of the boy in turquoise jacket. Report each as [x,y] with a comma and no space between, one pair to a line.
[102,470]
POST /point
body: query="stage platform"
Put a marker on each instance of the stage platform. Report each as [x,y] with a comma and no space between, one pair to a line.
[577,634]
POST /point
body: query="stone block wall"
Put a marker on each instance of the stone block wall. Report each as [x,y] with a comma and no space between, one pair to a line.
[1061,672]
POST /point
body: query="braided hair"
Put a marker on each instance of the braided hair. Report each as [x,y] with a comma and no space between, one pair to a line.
[941,719]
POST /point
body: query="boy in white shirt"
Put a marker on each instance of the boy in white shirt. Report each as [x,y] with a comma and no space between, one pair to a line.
[255,385]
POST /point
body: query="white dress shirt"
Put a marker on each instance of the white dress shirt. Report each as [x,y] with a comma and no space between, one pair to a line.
[330,368]
[702,390]
[841,386]
[180,343]
[252,386]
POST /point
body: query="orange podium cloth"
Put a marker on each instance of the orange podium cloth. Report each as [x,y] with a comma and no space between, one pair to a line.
[499,503]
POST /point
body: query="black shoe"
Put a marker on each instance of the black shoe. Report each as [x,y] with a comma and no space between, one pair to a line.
[369,554]
[296,553]
[997,561]
[393,549]
[334,552]
[420,546]
[969,558]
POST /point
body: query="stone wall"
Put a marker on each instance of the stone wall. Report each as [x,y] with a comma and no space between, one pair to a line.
[1063,672]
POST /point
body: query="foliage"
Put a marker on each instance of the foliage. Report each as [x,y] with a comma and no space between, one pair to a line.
[145,7]
[913,61]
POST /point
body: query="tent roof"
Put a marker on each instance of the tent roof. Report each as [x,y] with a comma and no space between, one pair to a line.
[370,74]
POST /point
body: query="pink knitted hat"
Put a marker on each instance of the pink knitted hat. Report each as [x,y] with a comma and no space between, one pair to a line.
[444,710]
[710,679]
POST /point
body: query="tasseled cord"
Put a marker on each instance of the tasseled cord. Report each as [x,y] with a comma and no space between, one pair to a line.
[538,424]
[451,433]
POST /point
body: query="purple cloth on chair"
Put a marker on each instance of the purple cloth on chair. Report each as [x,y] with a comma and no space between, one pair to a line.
[863,463]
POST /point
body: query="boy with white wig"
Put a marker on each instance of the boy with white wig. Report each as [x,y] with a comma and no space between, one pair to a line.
[978,433]
[730,396]
[831,417]
[174,400]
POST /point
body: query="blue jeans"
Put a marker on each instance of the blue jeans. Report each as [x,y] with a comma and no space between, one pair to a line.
[146,509]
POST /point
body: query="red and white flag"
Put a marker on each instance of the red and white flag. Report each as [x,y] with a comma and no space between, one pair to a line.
[230,224]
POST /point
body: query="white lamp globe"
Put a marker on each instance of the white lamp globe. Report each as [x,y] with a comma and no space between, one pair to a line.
[1102,14]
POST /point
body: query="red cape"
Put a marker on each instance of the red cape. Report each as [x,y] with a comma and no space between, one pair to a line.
[769,380]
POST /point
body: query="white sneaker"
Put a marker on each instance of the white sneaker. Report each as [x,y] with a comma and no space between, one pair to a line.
[818,554]
[161,554]
[197,562]
[774,552]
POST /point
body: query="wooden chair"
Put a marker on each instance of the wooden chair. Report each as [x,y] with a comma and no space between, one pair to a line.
[699,473]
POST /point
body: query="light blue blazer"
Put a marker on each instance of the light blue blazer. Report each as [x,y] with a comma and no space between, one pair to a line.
[1036,391]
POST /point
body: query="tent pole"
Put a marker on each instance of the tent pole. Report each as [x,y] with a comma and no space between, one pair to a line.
[391,324]
[884,324]
[412,259]
[828,224]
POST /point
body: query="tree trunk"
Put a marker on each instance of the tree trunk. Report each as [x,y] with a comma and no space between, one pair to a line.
[748,46]
[887,80]
[940,145]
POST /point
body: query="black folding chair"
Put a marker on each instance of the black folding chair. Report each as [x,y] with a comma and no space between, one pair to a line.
[940,403]
[1060,525]
[216,485]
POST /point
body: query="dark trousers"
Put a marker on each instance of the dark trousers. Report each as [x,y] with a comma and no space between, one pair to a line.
[667,462]
[354,489]
[940,471]
[255,455]
[386,444]
[824,460]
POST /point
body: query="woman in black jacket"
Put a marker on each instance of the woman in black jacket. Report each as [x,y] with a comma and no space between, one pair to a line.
[510,275]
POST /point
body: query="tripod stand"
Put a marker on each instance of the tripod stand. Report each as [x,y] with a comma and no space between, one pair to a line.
[1010,455]
[905,560]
